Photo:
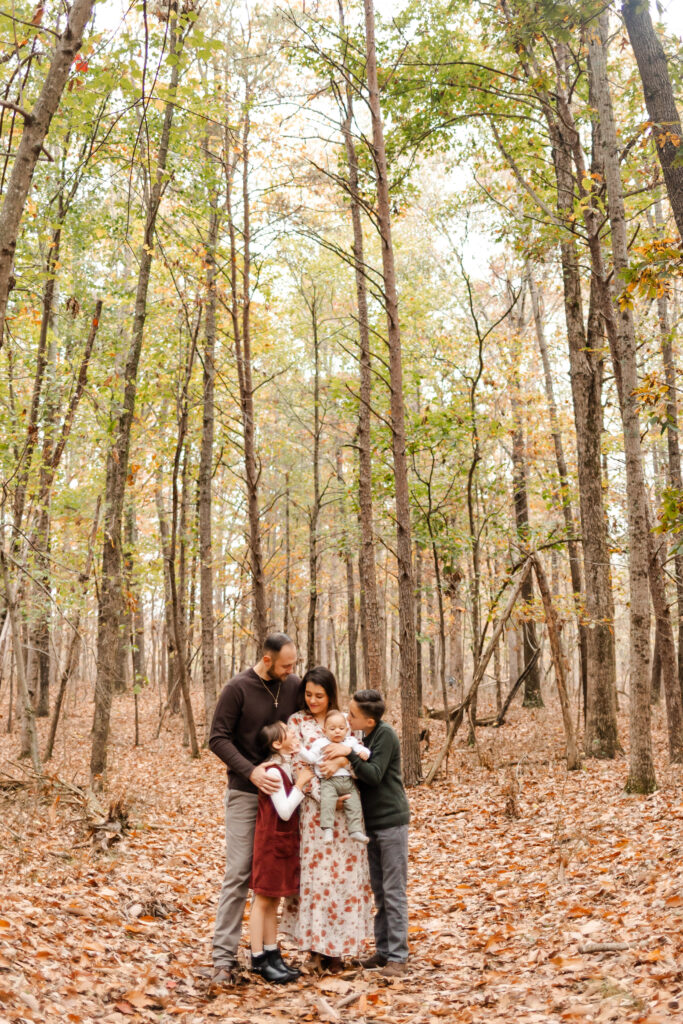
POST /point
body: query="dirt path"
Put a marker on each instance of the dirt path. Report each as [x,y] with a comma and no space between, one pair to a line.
[516,868]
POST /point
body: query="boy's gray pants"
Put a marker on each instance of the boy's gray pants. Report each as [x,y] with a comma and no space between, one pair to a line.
[388,862]
[330,791]
[240,819]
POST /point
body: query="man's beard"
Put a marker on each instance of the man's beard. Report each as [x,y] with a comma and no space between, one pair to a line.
[272,675]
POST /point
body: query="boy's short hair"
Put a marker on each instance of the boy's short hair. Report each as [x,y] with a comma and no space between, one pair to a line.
[276,732]
[370,703]
[335,713]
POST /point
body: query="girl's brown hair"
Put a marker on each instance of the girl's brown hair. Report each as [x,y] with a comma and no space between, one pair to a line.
[276,732]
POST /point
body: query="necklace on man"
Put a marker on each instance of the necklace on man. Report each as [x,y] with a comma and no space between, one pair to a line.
[275,699]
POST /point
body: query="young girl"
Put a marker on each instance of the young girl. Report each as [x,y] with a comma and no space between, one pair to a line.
[275,869]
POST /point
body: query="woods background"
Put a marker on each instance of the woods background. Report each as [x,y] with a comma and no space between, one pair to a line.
[343,329]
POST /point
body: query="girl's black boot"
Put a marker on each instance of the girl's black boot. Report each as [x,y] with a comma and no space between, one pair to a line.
[260,964]
[275,958]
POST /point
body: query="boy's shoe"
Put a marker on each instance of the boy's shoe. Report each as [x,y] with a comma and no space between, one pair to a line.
[274,957]
[374,962]
[328,835]
[359,837]
[269,972]
[394,969]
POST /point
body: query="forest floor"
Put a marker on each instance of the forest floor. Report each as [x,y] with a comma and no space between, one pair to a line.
[516,867]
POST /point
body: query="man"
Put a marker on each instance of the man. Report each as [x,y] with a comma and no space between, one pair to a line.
[259,696]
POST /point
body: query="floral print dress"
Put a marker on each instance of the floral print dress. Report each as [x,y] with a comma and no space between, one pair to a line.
[333,912]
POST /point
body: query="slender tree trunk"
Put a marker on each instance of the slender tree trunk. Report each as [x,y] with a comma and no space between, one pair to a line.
[27,707]
[659,100]
[532,683]
[675,480]
[206,474]
[314,513]
[373,626]
[36,126]
[641,766]
[351,624]
[410,732]
[564,495]
[418,620]
[137,617]
[241,321]
[117,459]
[172,680]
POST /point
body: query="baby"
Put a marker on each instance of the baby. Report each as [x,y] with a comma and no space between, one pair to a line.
[340,784]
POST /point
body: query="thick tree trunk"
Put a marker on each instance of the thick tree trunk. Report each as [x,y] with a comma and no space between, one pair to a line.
[659,100]
[372,622]
[205,477]
[36,125]
[641,766]
[117,458]
[406,590]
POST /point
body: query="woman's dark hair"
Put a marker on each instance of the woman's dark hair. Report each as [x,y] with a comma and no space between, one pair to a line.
[276,732]
[319,676]
[371,703]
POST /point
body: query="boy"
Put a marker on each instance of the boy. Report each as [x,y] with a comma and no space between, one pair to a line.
[340,784]
[387,813]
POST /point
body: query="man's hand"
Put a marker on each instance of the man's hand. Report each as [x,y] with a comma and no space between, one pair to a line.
[260,778]
[336,750]
[341,800]
[328,768]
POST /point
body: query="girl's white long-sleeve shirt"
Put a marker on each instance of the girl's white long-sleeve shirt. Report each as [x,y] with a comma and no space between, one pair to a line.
[283,804]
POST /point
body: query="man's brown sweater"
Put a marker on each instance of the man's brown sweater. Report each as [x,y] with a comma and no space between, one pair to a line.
[246,704]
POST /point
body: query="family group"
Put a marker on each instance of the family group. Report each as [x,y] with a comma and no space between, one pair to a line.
[316,822]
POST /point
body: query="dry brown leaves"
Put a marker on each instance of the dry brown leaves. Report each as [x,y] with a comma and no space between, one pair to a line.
[514,870]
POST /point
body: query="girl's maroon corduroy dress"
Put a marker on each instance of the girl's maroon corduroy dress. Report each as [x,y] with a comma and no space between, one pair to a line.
[275,867]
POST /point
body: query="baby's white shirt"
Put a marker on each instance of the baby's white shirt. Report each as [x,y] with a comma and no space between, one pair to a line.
[314,753]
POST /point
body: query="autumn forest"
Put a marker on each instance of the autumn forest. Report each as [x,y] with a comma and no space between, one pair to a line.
[359,322]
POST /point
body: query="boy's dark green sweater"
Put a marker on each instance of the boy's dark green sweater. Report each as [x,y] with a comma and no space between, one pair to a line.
[380,783]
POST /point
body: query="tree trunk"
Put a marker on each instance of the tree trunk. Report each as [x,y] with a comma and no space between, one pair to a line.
[169,645]
[564,495]
[241,322]
[641,766]
[418,621]
[659,100]
[410,732]
[351,624]
[314,512]
[675,480]
[532,684]
[36,126]
[371,618]
[117,458]
[24,697]
[205,476]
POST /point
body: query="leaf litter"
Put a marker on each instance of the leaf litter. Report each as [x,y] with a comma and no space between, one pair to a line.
[536,895]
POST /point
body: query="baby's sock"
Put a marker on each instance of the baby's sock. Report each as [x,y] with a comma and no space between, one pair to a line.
[328,835]
[359,837]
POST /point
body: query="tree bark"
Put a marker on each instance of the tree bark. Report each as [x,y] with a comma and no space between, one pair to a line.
[641,765]
[36,126]
[410,732]
[117,459]
[532,684]
[659,100]
[564,494]
[314,512]
[373,625]
[206,474]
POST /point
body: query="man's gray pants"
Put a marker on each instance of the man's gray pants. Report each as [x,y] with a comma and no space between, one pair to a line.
[388,862]
[240,819]
[330,791]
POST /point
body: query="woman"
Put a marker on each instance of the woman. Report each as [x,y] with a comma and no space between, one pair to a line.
[333,916]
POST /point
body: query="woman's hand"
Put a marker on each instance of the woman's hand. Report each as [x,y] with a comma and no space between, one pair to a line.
[303,779]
